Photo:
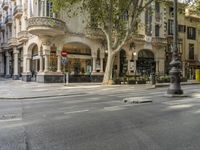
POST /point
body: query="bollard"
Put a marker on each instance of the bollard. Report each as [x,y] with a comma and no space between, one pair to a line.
[153,79]
[66,78]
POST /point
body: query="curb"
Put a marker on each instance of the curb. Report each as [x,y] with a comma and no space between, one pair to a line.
[164,85]
[35,97]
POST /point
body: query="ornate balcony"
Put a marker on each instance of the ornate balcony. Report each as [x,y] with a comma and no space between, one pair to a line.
[94,33]
[8,20]
[45,26]
[139,37]
[12,41]
[18,11]
[5,5]
[159,41]
[22,36]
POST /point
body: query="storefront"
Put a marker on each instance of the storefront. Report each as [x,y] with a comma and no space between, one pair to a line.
[145,63]
[79,63]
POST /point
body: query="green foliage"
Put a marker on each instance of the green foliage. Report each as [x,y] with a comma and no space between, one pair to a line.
[118,19]
[196,6]
[115,17]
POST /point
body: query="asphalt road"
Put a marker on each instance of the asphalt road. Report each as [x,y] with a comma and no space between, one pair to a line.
[98,119]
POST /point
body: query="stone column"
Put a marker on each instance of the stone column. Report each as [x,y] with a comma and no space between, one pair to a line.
[58,62]
[162,66]
[1,65]
[7,65]
[46,50]
[16,64]
[46,65]
[157,67]
[42,9]
[41,62]
[101,63]
[135,65]
[45,8]
[94,64]
[36,65]
[28,64]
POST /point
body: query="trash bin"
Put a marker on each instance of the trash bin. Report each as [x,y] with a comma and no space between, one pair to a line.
[197,75]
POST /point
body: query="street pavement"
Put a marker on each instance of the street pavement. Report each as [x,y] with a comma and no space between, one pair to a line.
[95,117]
[17,89]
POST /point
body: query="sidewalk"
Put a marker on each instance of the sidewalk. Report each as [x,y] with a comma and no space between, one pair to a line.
[17,89]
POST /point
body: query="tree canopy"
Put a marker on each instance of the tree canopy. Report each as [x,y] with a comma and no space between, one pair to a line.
[118,19]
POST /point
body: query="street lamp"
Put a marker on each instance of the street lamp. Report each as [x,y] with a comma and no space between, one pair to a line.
[134,56]
[175,87]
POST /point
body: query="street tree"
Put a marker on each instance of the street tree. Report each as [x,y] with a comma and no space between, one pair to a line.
[118,20]
[194,5]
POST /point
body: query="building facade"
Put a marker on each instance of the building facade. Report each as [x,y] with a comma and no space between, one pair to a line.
[33,39]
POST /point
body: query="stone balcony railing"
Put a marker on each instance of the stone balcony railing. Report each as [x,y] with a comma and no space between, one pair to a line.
[8,20]
[12,41]
[5,5]
[18,11]
[22,36]
[159,41]
[139,37]
[46,26]
[94,33]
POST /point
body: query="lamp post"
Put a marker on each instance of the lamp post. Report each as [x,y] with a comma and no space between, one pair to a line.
[175,87]
[134,56]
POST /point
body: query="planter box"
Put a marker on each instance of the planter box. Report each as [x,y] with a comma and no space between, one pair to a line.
[141,82]
[117,81]
[131,82]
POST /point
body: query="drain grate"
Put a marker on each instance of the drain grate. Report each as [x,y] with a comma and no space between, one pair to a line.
[137,100]
[8,116]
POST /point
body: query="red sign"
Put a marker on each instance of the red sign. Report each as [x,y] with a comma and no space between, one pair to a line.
[64,53]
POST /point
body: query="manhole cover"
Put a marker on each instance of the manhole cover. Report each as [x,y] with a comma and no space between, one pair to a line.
[137,100]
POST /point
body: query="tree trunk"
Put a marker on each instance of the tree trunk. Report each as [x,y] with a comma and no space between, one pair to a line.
[108,72]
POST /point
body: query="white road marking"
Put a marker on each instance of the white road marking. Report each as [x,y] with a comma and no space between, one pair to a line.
[73,112]
[113,108]
[8,120]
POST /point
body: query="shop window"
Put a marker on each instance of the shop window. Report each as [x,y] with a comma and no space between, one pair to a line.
[53,59]
[78,59]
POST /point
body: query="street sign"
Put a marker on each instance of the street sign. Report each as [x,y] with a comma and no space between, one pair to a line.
[63,53]
[64,60]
